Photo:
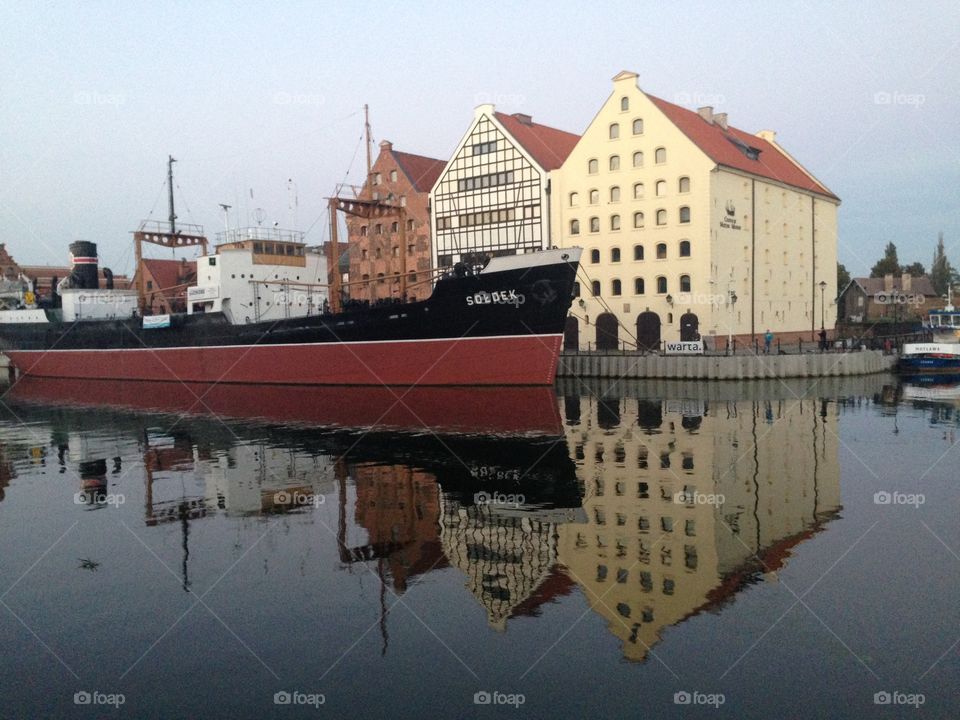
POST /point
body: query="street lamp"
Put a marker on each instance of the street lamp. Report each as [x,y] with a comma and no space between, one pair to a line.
[823,308]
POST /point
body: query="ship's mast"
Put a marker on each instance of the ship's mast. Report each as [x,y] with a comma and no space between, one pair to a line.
[366,125]
[173,215]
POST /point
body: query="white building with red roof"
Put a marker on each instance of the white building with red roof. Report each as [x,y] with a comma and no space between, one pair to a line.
[691,228]
[493,196]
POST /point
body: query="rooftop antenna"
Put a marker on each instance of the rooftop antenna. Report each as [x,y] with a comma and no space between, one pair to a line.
[226,216]
[173,215]
[259,215]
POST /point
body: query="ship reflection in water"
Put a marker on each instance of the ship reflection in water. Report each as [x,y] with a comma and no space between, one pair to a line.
[655,510]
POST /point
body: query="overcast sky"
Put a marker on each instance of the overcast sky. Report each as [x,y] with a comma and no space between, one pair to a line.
[95,96]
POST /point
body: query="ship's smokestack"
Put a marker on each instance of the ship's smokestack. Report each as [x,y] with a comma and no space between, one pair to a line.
[84,272]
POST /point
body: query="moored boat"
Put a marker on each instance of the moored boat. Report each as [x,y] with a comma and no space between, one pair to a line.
[934,358]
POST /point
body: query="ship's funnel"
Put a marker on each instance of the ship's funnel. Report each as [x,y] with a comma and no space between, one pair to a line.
[84,269]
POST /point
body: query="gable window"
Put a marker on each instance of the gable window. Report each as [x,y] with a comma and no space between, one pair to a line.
[638,159]
[624,103]
[614,131]
[614,162]
[615,194]
[661,285]
[377,179]
[594,197]
[574,199]
[593,167]
[638,288]
[615,254]
[684,185]
[661,251]
[403,201]
[638,126]
[661,217]
[595,288]
[638,191]
[684,248]
[638,220]
[574,227]
[684,214]
[638,252]
[660,155]
[684,283]
[393,176]
[616,288]
[594,256]
[661,188]
[615,223]
[594,224]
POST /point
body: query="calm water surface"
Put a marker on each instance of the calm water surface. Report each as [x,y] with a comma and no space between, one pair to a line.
[647,549]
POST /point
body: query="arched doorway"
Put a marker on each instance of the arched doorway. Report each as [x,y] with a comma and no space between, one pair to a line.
[689,327]
[571,334]
[648,331]
[607,332]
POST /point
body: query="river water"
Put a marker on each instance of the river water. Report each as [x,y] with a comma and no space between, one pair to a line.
[752,550]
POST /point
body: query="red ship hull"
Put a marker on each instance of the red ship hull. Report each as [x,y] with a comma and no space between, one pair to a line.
[501,360]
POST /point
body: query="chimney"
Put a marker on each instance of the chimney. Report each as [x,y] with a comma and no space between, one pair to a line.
[888,282]
[906,282]
[523,119]
[386,145]
[706,113]
[721,120]
[769,135]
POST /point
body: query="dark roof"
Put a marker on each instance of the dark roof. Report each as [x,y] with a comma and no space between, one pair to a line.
[920,284]
[726,147]
[548,146]
[421,170]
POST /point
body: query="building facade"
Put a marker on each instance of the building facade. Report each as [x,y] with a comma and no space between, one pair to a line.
[888,299]
[404,180]
[691,228]
[494,195]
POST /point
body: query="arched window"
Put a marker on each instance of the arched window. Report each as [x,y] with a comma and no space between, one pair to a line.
[661,217]
[661,285]
[593,167]
[660,155]
[638,220]
[363,231]
[661,251]
[638,191]
[574,227]
[614,162]
[615,254]
[638,126]
[684,214]
[594,197]
[574,199]
[638,252]
[616,288]
[661,188]
[684,283]
[614,222]
[615,193]
[624,103]
[395,227]
[594,224]
[684,248]
[378,229]
[684,185]
[638,159]
[638,288]
[595,288]
[594,256]
[614,131]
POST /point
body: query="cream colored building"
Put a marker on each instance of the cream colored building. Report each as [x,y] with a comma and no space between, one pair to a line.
[699,224]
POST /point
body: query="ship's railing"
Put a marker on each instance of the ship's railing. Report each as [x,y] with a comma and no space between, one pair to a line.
[163,227]
[259,233]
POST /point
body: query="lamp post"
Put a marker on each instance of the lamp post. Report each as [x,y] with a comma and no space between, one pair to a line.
[823,307]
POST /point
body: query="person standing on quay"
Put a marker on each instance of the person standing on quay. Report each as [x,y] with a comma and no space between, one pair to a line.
[768,341]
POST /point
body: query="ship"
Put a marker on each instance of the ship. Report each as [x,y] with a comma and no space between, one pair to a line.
[929,359]
[262,311]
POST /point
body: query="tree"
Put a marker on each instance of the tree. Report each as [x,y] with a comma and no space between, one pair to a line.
[941,272]
[843,277]
[890,263]
[916,269]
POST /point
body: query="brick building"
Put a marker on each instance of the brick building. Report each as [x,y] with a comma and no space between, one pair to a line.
[891,299]
[165,284]
[404,180]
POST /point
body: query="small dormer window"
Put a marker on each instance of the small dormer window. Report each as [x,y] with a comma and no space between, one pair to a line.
[749,151]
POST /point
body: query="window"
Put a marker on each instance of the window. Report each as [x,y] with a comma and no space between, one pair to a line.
[683,185]
[395,227]
[363,231]
[211,261]
[410,224]
[624,104]
[661,285]
[684,283]
[614,222]
[594,197]
[661,217]
[595,288]
[380,278]
[638,252]
[615,194]
[484,148]
[411,249]
[366,277]
[377,179]
[616,288]
[660,155]
[594,256]
[684,248]
[393,176]
[378,253]
[638,288]
[638,220]
[378,229]
[576,289]
[614,131]
[396,251]
[615,254]
[574,199]
[363,254]
[614,162]
[594,224]
[661,188]
[638,191]
[638,126]
[684,214]
[403,201]
[661,251]
[574,227]
[638,159]
[149,284]
[593,167]
[412,277]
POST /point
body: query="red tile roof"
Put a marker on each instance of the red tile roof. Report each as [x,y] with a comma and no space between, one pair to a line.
[548,146]
[170,273]
[716,143]
[422,171]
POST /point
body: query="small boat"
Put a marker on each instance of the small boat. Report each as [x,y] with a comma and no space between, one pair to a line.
[933,358]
